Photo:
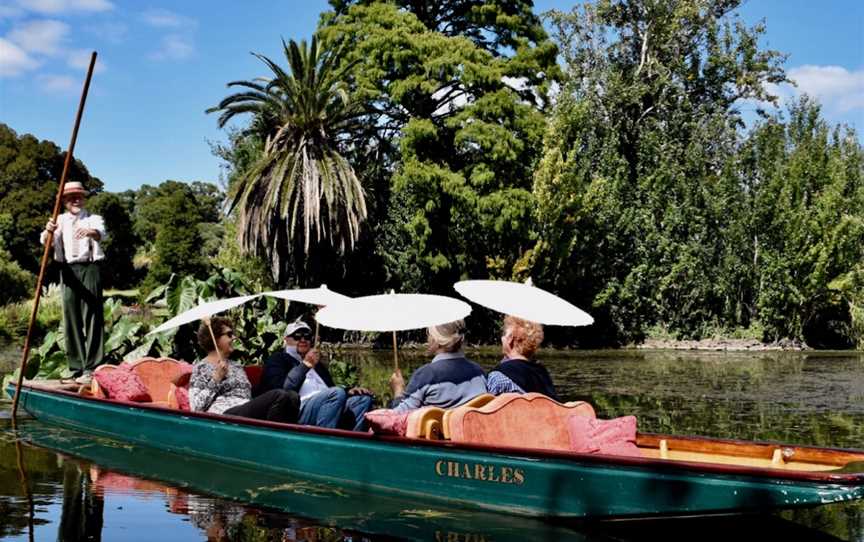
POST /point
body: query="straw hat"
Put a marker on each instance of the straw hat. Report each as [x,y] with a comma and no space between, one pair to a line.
[72,188]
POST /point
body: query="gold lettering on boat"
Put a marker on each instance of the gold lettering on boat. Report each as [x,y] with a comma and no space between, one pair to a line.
[480,471]
[459,537]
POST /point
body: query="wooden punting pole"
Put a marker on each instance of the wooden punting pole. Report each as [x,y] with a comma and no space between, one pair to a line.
[49,239]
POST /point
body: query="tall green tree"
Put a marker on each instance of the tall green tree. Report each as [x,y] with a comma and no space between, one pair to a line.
[461,87]
[807,227]
[301,190]
[122,242]
[638,177]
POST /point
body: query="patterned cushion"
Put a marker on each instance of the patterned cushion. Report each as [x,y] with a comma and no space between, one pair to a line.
[385,421]
[182,395]
[610,437]
[122,385]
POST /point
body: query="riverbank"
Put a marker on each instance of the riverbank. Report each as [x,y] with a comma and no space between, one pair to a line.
[720,344]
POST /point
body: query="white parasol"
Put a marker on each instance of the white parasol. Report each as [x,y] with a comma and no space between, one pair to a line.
[525,301]
[393,312]
[321,296]
[203,312]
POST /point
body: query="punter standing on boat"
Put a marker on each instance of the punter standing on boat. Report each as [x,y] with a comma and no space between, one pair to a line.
[220,386]
[449,380]
[323,404]
[519,372]
[77,247]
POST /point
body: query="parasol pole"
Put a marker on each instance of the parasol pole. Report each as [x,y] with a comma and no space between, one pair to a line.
[395,353]
[213,336]
[49,239]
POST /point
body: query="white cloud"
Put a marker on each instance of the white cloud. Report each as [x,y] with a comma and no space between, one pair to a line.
[9,12]
[63,6]
[41,36]
[57,83]
[174,47]
[14,60]
[80,59]
[163,18]
[112,31]
[836,87]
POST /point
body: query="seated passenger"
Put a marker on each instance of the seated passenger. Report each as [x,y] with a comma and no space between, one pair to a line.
[518,372]
[322,404]
[220,386]
[449,380]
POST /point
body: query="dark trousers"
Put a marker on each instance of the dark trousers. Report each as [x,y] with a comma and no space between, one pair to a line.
[83,316]
[275,406]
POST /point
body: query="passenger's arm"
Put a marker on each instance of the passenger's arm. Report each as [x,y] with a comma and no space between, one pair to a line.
[203,388]
[296,377]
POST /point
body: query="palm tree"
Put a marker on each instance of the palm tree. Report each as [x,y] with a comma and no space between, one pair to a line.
[306,121]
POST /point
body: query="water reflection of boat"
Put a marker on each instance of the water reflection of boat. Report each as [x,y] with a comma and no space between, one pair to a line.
[528,482]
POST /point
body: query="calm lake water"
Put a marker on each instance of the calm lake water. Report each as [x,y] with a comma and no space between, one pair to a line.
[73,487]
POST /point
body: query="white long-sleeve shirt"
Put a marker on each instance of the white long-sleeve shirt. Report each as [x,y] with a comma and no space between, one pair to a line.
[65,244]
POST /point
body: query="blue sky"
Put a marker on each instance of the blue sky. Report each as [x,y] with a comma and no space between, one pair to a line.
[161,64]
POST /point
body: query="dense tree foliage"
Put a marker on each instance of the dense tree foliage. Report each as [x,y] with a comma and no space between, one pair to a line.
[30,171]
[461,86]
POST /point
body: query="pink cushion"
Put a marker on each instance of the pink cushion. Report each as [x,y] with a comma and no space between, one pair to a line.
[184,374]
[122,385]
[182,395]
[388,422]
[611,437]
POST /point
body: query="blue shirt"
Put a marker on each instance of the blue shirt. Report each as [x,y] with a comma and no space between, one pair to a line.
[449,380]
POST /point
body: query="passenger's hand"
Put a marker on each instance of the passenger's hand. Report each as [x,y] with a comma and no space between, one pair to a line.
[360,391]
[397,383]
[51,226]
[311,359]
[221,371]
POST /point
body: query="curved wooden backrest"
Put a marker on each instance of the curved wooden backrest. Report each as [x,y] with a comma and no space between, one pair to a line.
[476,402]
[530,420]
[158,375]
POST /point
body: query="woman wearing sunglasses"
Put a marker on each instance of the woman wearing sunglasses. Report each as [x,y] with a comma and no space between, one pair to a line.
[220,386]
[298,368]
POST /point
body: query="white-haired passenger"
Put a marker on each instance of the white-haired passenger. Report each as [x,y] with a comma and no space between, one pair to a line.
[449,380]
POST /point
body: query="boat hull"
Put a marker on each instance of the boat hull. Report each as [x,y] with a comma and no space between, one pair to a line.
[524,482]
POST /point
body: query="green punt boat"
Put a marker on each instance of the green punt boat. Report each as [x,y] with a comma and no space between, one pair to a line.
[675,477]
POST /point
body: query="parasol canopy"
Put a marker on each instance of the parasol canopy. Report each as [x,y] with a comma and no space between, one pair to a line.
[393,312]
[525,301]
[321,296]
[204,310]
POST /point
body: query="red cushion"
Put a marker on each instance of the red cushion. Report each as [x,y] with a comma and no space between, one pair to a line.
[122,385]
[388,422]
[182,395]
[253,373]
[611,437]
[184,373]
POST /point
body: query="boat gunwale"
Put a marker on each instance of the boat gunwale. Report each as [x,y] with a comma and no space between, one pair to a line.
[851,479]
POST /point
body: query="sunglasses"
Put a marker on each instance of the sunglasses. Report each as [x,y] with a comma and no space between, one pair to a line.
[228,334]
[301,336]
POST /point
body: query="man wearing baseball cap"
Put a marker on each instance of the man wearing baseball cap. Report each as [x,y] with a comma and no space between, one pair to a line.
[77,248]
[297,367]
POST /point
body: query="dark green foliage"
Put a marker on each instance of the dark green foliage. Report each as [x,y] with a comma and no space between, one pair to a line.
[30,172]
[462,86]
[118,270]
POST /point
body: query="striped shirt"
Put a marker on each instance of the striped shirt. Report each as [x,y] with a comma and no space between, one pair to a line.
[71,250]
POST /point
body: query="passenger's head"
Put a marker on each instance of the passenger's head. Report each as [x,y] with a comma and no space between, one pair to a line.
[299,335]
[520,338]
[447,337]
[223,330]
